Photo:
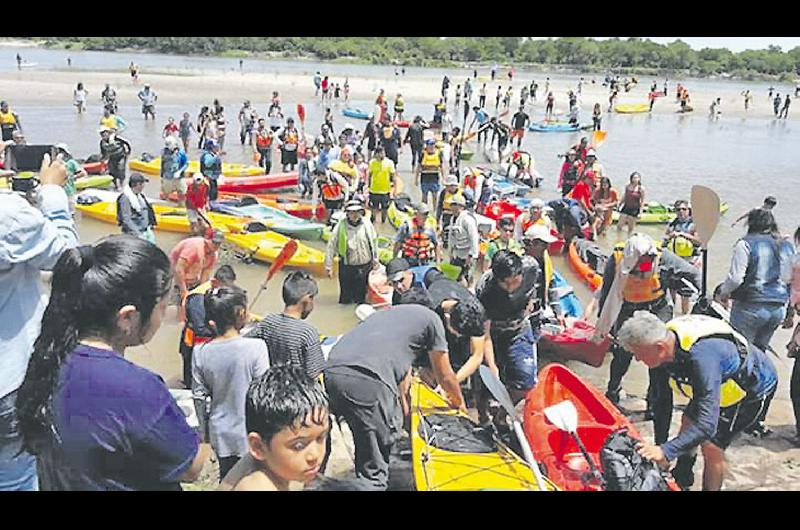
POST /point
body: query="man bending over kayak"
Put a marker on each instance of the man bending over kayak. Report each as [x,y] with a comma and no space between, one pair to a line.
[729,383]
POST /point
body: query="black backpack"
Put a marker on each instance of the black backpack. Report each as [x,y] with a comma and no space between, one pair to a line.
[624,469]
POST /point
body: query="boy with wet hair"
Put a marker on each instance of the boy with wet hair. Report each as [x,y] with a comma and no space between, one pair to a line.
[287,420]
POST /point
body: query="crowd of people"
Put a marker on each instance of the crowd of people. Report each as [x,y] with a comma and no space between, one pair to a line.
[265,394]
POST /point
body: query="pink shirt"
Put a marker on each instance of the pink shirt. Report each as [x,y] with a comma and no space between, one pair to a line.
[794,297]
[198,259]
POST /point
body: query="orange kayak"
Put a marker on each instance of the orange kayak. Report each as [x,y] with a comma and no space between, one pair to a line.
[557,450]
[592,278]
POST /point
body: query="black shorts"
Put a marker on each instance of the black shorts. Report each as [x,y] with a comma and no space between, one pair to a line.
[288,158]
[735,419]
[379,201]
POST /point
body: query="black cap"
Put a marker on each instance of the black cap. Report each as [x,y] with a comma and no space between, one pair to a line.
[771,200]
[395,268]
[137,178]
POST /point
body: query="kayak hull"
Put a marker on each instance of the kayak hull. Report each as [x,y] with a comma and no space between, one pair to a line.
[439,469]
[153,167]
[95,168]
[258,183]
[296,207]
[357,114]
[263,246]
[575,344]
[274,219]
[93,181]
[557,127]
[557,450]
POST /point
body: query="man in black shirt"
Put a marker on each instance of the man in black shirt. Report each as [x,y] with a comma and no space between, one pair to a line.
[368,378]
[415,137]
[508,292]
[390,138]
[519,122]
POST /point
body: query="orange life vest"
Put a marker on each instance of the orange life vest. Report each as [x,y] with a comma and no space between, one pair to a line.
[332,190]
[264,140]
[418,244]
[637,289]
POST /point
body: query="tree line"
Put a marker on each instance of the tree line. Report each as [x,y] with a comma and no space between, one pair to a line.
[616,55]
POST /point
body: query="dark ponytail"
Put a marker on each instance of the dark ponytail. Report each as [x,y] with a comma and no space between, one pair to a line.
[222,305]
[90,284]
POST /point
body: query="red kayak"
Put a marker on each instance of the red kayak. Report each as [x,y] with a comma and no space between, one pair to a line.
[95,168]
[259,182]
[575,344]
[502,208]
[555,449]
[403,124]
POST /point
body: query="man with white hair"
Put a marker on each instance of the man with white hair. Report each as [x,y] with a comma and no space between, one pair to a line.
[635,279]
[729,383]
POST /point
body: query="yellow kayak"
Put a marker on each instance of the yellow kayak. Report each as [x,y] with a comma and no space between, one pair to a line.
[397,216]
[632,108]
[263,245]
[451,453]
[153,167]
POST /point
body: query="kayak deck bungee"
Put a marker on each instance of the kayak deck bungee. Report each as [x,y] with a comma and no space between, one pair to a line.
[452,453]
[557,450]
[263,245]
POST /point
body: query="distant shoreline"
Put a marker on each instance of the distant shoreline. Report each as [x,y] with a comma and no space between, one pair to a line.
[429,63]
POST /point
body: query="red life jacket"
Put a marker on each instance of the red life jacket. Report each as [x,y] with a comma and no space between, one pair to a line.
[418,244]
[263,140]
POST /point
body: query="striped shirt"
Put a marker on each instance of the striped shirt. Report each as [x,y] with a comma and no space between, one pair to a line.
[291,341]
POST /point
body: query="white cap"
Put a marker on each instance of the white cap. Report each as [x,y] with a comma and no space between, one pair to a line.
[591,152]
[637,246]
[536,203]
[451,180]
[539,231]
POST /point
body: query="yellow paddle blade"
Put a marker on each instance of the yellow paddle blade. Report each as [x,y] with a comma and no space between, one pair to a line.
[598,137]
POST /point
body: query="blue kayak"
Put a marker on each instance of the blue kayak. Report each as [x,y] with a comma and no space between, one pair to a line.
[557,127]
[273,218]
[355,113]
[504,187]
[569,301]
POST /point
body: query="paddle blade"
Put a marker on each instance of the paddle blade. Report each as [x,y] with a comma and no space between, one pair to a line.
[301,113]
[498,390]
[705,212]
[598,137]
[289,250]
[563,415]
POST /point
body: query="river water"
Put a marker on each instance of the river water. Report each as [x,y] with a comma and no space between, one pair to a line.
[742,159]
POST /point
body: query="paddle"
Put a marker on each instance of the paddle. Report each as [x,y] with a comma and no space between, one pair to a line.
[289,250]
[705,214]
[564,416]
[598,137]
[500,393]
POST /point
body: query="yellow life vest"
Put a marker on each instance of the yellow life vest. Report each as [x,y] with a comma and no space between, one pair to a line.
[7,118]
[638,290]
[399,104]
[691,328]
[681,246]
[448,199]
[431,162]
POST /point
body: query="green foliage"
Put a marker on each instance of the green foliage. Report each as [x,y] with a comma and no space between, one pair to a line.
[629,55]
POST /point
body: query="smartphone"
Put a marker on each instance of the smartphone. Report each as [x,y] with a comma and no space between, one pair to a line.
[28,157]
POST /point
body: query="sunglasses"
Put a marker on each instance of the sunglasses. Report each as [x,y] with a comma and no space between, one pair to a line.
[683,208]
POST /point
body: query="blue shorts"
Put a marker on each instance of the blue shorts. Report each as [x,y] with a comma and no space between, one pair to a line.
[516,359]
[425,187]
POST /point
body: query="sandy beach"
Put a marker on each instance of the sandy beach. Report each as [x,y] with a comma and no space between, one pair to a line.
[769,464]
[55,87]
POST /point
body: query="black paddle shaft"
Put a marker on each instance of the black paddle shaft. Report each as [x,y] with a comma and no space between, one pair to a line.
[704,289]
[595,472]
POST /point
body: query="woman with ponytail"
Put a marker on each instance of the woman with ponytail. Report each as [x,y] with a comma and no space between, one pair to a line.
[95,420]
[222,371]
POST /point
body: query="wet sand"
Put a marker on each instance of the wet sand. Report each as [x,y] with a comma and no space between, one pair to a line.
[755,464]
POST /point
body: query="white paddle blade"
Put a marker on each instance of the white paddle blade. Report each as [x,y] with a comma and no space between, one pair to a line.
[705,212]
[498,390]
[363,311]
[563,415]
